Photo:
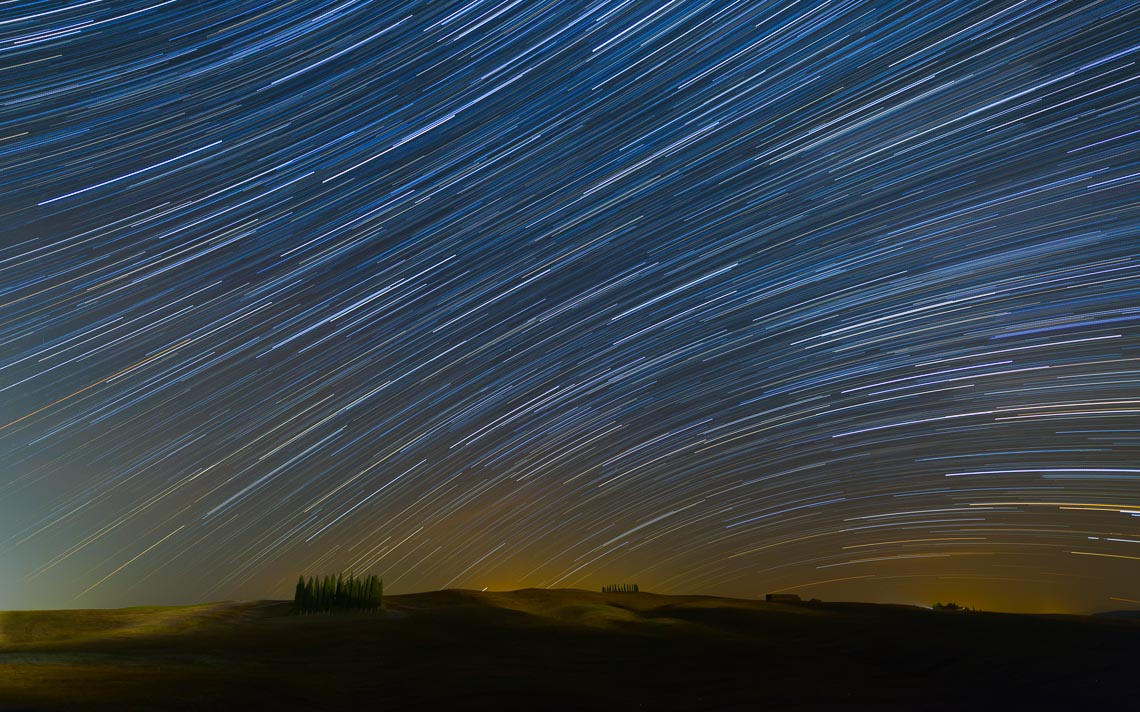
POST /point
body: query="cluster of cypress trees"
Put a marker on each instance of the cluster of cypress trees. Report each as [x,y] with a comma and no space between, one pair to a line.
[338,594]
[620,588]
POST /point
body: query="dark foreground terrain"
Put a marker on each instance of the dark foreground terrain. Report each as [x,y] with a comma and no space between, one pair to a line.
[564,649]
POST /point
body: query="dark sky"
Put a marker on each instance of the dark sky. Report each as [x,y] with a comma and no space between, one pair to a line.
[723,297]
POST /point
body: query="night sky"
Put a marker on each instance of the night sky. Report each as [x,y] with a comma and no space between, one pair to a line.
[725,297]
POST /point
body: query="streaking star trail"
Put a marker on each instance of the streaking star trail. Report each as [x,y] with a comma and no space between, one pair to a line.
[838,298]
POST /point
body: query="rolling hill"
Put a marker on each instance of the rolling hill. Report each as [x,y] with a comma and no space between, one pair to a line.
[539,649]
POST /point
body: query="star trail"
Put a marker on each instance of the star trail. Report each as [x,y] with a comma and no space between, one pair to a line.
[728,297]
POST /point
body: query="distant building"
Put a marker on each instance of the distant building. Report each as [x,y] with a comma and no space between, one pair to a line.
[782,598]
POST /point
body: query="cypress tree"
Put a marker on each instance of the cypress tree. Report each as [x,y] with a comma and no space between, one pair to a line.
[338,592]
[376,592]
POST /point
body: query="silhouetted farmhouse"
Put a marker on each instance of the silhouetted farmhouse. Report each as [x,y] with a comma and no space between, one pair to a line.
[782,598]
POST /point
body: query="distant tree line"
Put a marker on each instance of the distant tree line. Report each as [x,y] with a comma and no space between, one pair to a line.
[945,606]
[317,595]
[950,607]
[620,588]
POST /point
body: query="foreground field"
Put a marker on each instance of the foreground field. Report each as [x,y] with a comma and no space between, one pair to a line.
[562,649]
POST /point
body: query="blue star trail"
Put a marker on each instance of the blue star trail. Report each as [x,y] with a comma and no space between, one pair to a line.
[839,298]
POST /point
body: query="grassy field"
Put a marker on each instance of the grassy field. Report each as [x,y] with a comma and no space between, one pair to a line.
[563,649]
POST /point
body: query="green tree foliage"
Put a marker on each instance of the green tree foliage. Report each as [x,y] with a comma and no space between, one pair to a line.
[328,594]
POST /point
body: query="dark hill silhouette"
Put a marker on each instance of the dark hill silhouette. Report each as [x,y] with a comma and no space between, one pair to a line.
[1135,613]
[539,649]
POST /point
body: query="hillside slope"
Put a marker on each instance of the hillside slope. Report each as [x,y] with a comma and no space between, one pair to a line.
[560,649]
